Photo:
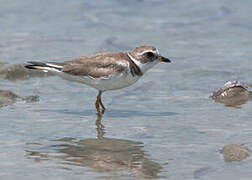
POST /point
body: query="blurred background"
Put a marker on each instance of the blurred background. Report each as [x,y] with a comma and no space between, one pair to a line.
[165,126]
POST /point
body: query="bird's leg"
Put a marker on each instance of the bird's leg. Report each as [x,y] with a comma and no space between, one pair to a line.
[100,101]
[97,105]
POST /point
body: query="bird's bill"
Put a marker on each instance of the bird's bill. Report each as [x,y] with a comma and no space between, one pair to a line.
[164,59]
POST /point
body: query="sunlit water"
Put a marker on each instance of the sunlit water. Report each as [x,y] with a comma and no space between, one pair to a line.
[165,126]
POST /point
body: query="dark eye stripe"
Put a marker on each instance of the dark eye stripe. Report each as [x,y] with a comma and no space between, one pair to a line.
[149,54]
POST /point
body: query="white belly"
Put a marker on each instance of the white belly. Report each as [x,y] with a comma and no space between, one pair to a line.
[115,81]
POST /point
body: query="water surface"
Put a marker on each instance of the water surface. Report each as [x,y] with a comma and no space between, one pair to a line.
[165,126]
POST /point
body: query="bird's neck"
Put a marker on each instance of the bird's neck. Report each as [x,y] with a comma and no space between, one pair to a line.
[134,68]
[142,66]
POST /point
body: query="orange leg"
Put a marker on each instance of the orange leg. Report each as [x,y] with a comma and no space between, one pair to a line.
[97,107]
[98,103]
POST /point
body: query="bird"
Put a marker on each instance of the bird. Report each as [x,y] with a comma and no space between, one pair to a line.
[105,71]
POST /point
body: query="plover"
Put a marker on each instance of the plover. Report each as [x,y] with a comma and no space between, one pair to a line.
[105,71]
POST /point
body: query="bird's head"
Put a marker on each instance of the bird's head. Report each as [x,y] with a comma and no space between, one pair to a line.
[145,57]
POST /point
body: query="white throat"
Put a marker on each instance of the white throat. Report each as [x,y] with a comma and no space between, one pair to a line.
[143,67]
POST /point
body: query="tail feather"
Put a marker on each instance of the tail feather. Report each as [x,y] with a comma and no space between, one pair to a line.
[43,66]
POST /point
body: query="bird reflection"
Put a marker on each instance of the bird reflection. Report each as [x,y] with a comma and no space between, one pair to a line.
[116,157]
[99,127]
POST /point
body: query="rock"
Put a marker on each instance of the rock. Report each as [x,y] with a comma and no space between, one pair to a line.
[233,94]
[15,72]
[234,152]
[8,98]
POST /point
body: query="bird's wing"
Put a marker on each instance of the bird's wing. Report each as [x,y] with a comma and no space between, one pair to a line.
[96,66]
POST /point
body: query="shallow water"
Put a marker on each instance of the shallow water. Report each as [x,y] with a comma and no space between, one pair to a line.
[165,126]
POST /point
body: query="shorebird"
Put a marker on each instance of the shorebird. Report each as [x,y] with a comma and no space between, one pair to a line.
[105,71]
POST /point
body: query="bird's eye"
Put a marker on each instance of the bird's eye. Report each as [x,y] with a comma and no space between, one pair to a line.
[149,54]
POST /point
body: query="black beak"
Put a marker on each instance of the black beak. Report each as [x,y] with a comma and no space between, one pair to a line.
[164,59]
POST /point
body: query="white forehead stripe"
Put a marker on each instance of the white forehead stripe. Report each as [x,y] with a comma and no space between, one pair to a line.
[154,52]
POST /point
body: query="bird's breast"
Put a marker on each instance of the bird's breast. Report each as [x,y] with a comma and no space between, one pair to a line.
[114,81]
[111,82]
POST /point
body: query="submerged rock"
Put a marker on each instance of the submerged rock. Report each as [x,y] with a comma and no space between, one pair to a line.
[113,44]
[15,72]
[199,173]
[233,94]
[8,98]
[234,152]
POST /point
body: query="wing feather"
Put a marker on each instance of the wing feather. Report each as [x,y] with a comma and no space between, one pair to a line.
[96,66]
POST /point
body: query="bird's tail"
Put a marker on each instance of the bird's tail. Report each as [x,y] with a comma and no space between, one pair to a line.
[44,66]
